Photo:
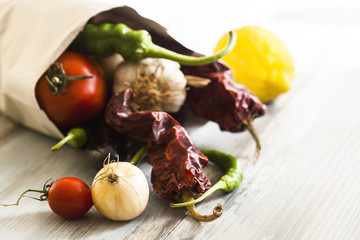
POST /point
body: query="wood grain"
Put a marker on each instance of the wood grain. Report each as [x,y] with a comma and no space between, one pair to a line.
[305,185]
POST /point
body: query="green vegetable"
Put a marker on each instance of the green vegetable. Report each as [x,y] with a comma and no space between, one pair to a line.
[227,182]
[135,45]
[76,137]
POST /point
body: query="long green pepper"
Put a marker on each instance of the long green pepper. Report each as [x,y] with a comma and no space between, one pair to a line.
[227,183]
[135,45]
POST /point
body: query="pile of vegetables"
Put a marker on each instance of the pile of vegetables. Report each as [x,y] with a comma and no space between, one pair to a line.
[136,113]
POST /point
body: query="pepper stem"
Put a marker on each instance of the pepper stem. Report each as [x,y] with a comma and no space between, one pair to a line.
[156,51]
[76,137]
[217,186]
[250,127]
[139,155]
[187,196]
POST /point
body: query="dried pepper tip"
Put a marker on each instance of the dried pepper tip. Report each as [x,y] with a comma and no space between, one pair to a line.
[250,127]
[195,81]
[188,196]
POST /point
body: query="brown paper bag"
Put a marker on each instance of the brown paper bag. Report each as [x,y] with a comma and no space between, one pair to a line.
[32,35]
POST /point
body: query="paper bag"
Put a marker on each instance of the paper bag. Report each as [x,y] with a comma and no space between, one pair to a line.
[33,34]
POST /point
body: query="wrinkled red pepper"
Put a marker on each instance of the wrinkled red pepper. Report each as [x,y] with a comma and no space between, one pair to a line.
[177,162]
[223,101]
[229,104]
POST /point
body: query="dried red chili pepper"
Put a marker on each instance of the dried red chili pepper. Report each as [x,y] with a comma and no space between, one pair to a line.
[223,100]
[177,162]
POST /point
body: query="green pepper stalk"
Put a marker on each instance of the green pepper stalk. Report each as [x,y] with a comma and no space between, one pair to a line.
[76,137]
[138,155]
[227,183]
[135,45]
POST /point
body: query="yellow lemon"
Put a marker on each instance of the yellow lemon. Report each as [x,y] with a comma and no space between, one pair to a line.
[260,61]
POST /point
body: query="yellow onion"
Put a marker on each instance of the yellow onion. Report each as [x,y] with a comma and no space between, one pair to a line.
[120,191]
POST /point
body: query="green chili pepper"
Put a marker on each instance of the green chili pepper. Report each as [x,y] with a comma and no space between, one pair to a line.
[227,182]
[135,45]
[76,137]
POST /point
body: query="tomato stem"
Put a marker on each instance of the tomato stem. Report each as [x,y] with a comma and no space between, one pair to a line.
[43,197]
[57,78]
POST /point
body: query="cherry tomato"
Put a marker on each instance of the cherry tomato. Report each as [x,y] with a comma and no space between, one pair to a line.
[81,100]
[69,197]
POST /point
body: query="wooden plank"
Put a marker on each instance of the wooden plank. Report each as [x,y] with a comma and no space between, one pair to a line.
[306,184]
[27,162]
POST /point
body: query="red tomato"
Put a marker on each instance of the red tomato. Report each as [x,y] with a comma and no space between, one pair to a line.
[70,198]
[82,100]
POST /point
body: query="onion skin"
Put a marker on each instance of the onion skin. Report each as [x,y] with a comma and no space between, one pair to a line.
[120,191]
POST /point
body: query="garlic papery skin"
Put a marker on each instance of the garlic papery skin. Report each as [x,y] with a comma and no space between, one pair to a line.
[120,191]
[158,84]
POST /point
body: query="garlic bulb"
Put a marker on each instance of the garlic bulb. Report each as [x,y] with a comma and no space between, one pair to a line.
[158,84]
[120,191]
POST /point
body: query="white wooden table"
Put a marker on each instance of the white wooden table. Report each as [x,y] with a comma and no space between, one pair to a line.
[305,185]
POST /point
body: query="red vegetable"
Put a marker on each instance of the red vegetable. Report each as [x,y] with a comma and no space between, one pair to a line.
[177,162]
[223,101]
[68,197]
[230,104]
[73,91]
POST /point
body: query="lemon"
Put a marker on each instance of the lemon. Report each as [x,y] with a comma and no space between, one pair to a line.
[260,61]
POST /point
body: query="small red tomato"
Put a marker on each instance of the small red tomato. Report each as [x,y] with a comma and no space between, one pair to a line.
[73,90]
[69,197]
